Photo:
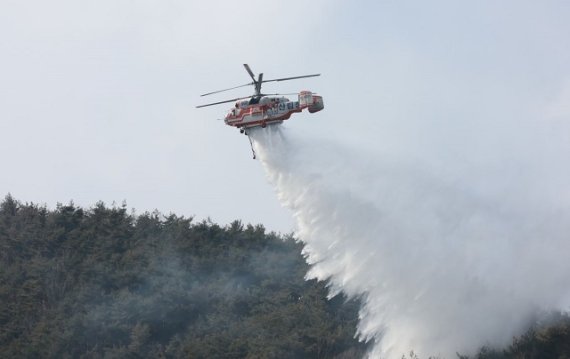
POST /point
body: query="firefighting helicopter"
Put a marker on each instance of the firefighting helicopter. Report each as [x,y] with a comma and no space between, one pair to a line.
[260,110]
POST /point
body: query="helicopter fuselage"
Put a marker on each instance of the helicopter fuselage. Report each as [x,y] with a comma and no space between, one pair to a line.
[266,110]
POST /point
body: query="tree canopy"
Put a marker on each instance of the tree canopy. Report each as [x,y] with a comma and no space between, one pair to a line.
[105,283]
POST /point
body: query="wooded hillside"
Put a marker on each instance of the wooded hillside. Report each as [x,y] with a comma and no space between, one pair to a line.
[105,283]
[102,282]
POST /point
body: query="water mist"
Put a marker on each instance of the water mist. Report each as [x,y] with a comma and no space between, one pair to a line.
[442,268]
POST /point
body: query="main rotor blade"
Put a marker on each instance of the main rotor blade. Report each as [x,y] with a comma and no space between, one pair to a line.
[218,103]
[279,94]
[231,88]
[249,72]
[292,78]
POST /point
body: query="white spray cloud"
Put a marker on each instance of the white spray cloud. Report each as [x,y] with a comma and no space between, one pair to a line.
[445,266]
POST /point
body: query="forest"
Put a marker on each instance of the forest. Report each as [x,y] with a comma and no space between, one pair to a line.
[105,282]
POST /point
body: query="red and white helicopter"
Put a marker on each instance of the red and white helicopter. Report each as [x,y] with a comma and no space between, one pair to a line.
[265,109]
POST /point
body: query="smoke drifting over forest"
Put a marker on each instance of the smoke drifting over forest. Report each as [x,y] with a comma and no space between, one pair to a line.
[446,263]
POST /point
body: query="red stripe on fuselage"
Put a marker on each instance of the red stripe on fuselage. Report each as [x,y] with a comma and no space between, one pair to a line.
[239,122]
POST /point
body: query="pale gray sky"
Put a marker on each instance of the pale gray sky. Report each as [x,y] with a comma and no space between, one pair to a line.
[97,97]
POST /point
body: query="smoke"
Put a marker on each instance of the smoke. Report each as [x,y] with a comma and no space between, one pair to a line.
[445,264]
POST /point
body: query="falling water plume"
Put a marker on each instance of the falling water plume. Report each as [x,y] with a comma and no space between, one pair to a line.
[442,269]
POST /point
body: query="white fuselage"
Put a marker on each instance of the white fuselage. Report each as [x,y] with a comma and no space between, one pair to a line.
[269,110]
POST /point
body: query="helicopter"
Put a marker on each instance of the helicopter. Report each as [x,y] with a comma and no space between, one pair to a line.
[260,110]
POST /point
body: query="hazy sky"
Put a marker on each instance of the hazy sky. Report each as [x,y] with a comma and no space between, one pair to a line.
[97,98]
